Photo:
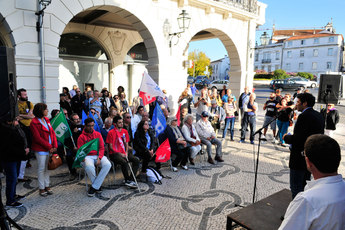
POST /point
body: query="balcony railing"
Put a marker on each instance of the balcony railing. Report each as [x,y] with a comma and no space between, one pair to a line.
[266,61]
[248,5]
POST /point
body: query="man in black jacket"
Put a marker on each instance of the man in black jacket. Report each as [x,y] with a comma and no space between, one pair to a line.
[309,122]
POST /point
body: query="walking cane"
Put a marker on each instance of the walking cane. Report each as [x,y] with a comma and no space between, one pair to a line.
[135,179]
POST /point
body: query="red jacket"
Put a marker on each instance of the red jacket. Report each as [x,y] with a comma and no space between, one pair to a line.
[86,137]
[40,136]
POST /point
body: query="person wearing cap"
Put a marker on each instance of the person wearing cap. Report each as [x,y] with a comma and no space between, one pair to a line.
[202,104]
[208,137]
[216,115]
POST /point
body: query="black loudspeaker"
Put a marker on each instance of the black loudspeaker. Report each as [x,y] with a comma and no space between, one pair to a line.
[330,89]
[8,85]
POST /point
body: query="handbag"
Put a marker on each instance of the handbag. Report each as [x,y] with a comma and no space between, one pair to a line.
[236,114]
[54,162]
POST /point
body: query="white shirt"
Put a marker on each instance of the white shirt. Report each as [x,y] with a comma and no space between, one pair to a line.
[187,134]
[205,129]
[202,106]
[320,206]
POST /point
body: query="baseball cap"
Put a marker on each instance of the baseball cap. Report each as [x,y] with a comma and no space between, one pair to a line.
[204,114]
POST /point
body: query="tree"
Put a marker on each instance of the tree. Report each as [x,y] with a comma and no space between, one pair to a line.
[280,74]
[306,75]
[200,62]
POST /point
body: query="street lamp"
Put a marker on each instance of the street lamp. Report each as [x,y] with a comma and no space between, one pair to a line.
[183,21]
[264,39]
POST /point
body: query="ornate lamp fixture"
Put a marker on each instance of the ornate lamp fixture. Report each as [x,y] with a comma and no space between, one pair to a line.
[183,21]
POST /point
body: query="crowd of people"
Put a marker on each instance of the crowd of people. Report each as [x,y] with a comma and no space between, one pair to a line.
[126,134]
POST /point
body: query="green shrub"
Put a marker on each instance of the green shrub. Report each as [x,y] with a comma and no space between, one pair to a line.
[280,74]
[306,75]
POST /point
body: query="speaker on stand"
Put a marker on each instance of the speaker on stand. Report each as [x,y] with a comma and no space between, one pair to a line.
[8,85]
[330,88]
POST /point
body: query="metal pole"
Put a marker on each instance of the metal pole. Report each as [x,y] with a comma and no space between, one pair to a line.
[42,53]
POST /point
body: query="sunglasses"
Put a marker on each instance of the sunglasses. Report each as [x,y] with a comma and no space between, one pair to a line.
[128,117]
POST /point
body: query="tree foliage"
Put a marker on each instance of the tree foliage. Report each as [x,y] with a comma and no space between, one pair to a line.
[200,62]
[280,74]
[306,75]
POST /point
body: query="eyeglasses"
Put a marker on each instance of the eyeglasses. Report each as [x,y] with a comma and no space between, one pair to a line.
[76,119]
[128,117]
[303,154]
[65,113]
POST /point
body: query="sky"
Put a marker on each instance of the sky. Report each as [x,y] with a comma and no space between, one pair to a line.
[286,14]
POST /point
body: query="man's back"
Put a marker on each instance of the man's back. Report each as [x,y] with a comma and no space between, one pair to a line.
[320,206]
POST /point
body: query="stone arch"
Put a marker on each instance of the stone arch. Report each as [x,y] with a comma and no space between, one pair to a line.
[65,11]
[235,72]
[6,37]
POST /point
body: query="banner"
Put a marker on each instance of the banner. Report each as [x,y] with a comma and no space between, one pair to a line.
[163,152]
[149,89]
[61,127]
[158,120]
[84,150]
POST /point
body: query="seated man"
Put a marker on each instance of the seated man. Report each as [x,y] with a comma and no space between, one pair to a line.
[208,137]
[93,157]
[192,137]
[118,139]
[322,204]
[108,125]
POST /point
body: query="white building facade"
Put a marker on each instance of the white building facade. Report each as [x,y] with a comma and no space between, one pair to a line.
[107,43]
[220,69]
[313,51]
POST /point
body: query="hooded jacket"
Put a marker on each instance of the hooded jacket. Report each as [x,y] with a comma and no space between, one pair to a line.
[86,137]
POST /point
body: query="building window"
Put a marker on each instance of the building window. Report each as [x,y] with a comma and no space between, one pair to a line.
[301,53]
[256,57]
[302,42]
[330,51]
[300,66]
[289,54]
[315,52]
[256,67]
[289,43]
[314,65]
[276,67]
[269,69]
[277,55]
[288,66]
[329,65]
[331,39]
[316,40]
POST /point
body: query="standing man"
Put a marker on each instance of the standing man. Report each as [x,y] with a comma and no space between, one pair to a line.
[117,140]
[331,116]
[94,157]
[208,137]
[77,102]
[25,108]
[243,100]
[194,91]
[322,204]
[309,122]
[271,112]
[95,102]
[249,118]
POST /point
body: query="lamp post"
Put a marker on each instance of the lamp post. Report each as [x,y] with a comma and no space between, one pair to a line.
[42,5]
[183,21]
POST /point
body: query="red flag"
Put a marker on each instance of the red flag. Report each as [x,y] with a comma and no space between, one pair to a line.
[149,90]
[163,152]
[178,115]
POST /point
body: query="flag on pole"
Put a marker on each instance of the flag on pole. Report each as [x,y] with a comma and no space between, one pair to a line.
[178,115]
[149,89]
[84,150]
[163,152]
[158,120]
[61,127]
[83,117]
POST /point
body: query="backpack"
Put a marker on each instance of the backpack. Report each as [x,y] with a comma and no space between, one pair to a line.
[153,176]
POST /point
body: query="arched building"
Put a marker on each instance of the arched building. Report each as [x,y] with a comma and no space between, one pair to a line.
[107,43]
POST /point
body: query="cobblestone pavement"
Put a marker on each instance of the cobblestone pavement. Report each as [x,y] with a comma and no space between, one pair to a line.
[199,198]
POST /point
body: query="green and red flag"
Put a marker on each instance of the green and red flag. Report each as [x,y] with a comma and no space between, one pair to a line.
[84,150]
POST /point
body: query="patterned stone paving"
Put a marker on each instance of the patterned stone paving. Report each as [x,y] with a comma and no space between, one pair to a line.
[199,198]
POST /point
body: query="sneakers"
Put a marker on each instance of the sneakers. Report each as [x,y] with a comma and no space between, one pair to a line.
[219,159]
[174,169]
[191,161]
[43,193]
[15,205]
[99,191]
[184,167]
[276,141]
[241,141]
[210,160]
[49,191]
[252,142]
[130,184]
[263,138]
[91,192]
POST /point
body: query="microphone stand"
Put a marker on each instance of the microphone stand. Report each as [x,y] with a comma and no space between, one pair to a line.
[257,158]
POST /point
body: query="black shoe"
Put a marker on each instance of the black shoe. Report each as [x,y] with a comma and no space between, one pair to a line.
[19,197]
[210,160]
[99,191]
[91,192]
[24,180]
[72,177]
[219,159]
[191,161]
[15,204]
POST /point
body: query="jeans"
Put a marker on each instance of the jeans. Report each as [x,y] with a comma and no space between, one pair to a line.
[11,171]
[229,121]
[119,159]
[282,129]
[42,171]
[298,179]
[89,166]
[22,169]
[209,143]
[251,120]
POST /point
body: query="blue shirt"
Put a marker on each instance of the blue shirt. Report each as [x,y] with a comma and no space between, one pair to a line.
[193,89]
[148,140]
